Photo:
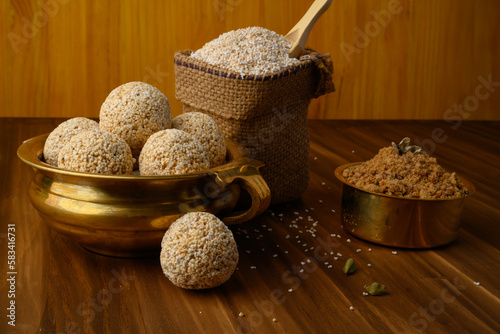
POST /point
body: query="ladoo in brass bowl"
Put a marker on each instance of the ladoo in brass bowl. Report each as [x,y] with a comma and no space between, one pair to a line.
[127,215]
[398,221]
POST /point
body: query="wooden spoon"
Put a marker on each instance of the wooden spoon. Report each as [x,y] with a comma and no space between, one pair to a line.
[299,34]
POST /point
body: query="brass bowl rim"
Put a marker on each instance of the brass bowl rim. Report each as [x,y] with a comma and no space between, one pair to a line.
[26,154]
[338,173]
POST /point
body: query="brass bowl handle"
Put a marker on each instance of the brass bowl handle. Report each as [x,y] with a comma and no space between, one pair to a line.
[253,183]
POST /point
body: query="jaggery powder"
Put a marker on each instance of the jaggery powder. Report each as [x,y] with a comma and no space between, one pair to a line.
[411,175]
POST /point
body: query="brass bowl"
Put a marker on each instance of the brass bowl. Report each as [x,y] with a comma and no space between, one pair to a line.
[398,221]
[127,215]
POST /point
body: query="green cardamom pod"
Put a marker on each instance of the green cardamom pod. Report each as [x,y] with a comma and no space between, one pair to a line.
[349,266]
[405,147]
[375,289]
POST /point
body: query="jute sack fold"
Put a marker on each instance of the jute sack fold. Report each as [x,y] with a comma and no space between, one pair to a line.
[265,114]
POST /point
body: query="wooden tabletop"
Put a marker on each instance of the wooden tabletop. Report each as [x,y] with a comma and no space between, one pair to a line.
[284,282]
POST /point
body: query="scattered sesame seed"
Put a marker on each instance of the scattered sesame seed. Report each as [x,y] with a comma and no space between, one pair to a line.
[286,252]
[330,266]
[321,201]
[323,183]
[253,267]
[348,240]
[275,255]
[477,283]
[301,270]
[290,290]
[365,294]
[351,308]
[358,250]
[394,252]
[315,158]
[369,264]
[369,249]
[333,234]
[338,254]
[275,320]
[241,314]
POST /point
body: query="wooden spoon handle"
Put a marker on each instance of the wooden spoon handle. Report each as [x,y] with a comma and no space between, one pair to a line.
[298,35]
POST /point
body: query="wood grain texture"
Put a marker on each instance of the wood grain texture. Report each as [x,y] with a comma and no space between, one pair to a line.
[62,288]
[393,59]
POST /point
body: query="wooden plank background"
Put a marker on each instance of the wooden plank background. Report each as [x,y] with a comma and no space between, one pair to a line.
[60,58]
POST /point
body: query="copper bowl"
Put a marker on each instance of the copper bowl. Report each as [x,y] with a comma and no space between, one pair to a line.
[398,221]
[127,215]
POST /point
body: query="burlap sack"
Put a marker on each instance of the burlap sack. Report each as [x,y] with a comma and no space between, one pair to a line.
[265,114]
